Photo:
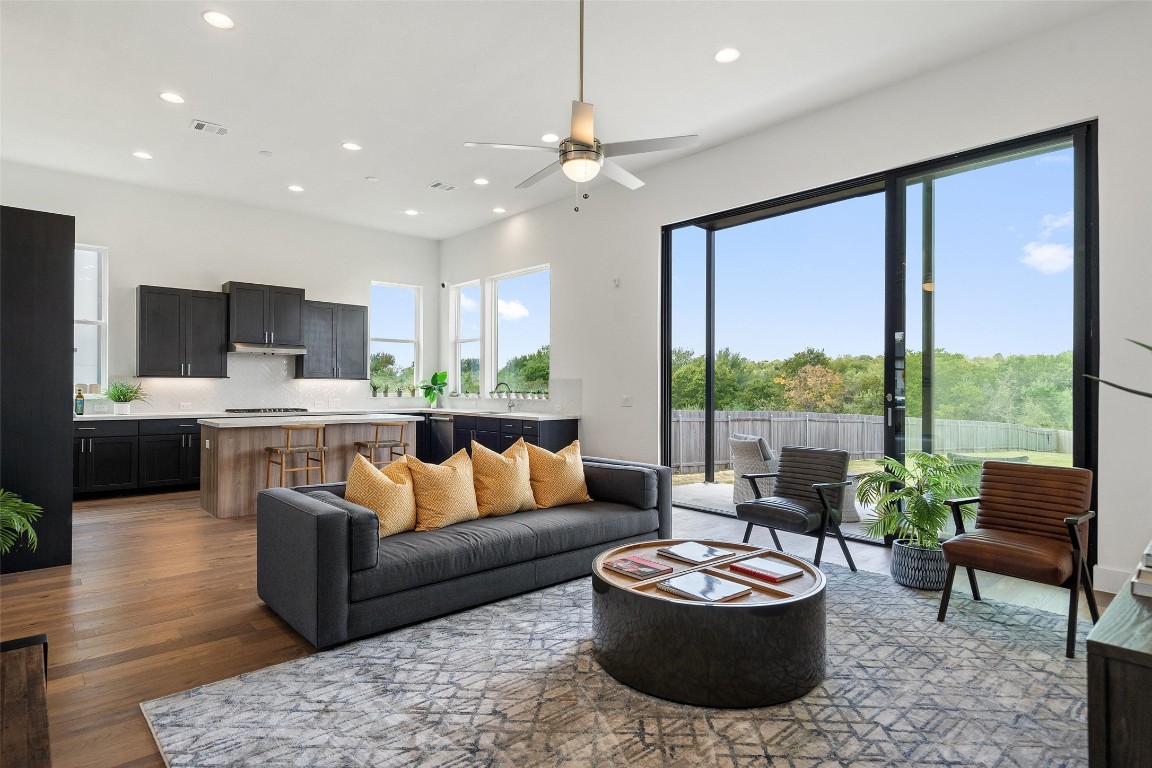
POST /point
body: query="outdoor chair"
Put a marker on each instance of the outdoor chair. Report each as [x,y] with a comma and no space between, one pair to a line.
[807,498]
[1031,523]
[750,455]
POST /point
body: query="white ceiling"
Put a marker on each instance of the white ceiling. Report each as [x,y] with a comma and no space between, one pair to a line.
[412,81]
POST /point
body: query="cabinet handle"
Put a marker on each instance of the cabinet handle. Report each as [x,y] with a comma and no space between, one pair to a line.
[189,369]
[86,428]
[185,425]
[272,335]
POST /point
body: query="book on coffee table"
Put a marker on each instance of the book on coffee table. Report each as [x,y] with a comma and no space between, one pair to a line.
[694,552]
[704,587]
[638,567]
[767,569]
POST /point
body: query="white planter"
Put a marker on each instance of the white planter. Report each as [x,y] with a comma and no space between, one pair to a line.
[121,409]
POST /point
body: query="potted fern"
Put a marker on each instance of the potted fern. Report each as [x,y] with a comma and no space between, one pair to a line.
[911,502]
[122,393]
[16,518]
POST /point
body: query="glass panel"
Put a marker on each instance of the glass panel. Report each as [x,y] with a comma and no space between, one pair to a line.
[469,367]
[86,358]
[522,331]
[689,339]
[392,310]
[468,312]
[391,364]
[88,282]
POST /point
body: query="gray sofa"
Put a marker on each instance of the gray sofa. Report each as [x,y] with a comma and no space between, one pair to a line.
[322,567]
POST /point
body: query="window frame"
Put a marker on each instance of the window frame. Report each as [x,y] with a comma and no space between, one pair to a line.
[100,322]
[491,296]
[417,327]
[457,340]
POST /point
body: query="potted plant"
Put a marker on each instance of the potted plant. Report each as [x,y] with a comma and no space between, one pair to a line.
[16,518]
[122,393]
[411,390]
[433,388]
[911,502]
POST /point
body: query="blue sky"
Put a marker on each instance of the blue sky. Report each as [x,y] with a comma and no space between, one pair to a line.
[814,278]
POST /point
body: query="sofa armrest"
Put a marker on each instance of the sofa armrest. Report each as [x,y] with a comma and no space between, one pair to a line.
[631,482]
[302,563]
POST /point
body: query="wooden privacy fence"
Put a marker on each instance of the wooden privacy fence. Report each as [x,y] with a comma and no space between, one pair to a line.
[859,434]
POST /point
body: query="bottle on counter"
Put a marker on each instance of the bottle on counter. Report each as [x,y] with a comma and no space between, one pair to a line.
[79,402]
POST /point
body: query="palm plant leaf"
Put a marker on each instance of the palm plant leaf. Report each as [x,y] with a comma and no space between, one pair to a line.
[16,518]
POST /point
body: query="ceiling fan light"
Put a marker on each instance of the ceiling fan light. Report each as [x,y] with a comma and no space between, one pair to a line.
[581,169]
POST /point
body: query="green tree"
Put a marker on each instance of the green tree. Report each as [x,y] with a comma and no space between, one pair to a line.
[527,373]
[814,388]
[470,375]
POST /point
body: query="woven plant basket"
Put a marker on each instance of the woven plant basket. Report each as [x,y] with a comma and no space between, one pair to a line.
[918,568]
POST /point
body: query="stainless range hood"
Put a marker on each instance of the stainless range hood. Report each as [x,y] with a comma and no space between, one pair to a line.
[267,349]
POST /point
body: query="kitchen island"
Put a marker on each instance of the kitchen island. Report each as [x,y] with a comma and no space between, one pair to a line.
[233,459]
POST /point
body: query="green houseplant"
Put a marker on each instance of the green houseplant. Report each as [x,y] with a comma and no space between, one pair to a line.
[16,518]
[122,393]
[433,388]
[911,502]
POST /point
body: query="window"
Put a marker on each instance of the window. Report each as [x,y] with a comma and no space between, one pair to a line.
[522,318]
[394,318]
[90,315]
[467,336]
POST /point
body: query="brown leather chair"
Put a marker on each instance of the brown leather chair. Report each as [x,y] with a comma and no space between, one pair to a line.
[807,497]
[1031,523]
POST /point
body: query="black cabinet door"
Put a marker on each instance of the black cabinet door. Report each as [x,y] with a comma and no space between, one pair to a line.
[247,312]
[79,446]
[558,433]
[158,335]
[162,460]
[205,334]
[285,315]
[111,463]
[192,458]
[490,440]
[463,441]
[320,339]
[351,342]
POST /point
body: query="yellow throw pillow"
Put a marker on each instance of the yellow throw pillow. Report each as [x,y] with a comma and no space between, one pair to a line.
[388,493]
[503,481]
[444,492]
[557,478]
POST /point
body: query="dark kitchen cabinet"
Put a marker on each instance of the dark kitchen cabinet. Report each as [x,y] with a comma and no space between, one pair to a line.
[181,333]
[264,314]
[499,433]
[336,337]
[169,452]
[105,456]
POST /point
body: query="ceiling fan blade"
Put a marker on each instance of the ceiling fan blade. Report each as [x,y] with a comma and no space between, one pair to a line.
[618,148]
[547,171]
[620,176]
[509,146]
[582,123]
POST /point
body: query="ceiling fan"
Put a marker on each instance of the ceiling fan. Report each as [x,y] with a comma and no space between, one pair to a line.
[581,155]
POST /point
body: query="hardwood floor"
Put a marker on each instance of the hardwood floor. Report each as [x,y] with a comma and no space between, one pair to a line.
[162,597]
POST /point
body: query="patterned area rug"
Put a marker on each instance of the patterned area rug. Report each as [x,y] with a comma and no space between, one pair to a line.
[515,683]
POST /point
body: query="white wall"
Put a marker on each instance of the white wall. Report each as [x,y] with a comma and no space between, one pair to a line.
[609,337]
[162,238]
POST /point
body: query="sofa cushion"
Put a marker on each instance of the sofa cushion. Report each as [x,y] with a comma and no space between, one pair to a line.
[386,492]
[557,478]
[444,493]
[583,525]
[417,558]
[637,486]
[502,480]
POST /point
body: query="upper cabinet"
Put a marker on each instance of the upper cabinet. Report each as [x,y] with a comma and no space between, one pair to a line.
[181,333]
[264,314]
[336,336]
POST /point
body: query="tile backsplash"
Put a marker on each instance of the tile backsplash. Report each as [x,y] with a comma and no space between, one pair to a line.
[266,381]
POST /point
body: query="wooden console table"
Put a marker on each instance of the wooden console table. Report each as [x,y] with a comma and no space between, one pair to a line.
[1120,684]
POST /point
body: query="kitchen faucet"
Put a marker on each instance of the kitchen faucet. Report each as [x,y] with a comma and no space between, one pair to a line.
[511,402]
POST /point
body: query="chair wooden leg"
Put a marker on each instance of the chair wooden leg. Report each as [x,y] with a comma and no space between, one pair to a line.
[1090,594]
[268,473]
[776,539]
[843,545]
[323,469]
[283,469]
[747,532]
[1073,607]
[972,581]
[947,592]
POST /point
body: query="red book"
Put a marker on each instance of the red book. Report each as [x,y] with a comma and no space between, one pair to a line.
[638,567]
[766,569]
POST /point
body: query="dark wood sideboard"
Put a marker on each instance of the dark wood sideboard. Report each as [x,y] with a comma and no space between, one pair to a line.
[1120,684]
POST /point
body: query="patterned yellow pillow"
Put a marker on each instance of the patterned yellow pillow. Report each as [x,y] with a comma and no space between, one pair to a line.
[503,482]
[388,493]
[444,493]
[557,478]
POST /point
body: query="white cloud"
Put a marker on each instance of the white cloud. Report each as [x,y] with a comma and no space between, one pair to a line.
[1053,222]
[468,304]
[1047,258]
[511,310]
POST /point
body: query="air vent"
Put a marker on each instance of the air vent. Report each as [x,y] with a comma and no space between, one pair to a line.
[442,186]
[207,127]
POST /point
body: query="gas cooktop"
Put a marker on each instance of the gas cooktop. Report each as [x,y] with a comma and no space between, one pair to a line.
[265,410]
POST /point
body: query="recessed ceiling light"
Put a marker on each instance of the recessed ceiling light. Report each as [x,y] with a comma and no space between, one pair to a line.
[727,55]
[371,178]
[351,147]
[497,210]
[218,20]
[265,153]
[481,182]
[172,98]
[549,138]
[411,212]
[142,155]
[295,188]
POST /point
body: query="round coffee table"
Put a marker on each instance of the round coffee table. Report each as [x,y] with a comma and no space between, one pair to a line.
[765,648]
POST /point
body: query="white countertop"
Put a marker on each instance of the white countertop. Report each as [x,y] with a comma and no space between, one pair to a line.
[272,420]
[218,419]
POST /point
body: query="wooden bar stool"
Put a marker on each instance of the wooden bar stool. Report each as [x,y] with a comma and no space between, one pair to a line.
[313,454]
[395,447]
